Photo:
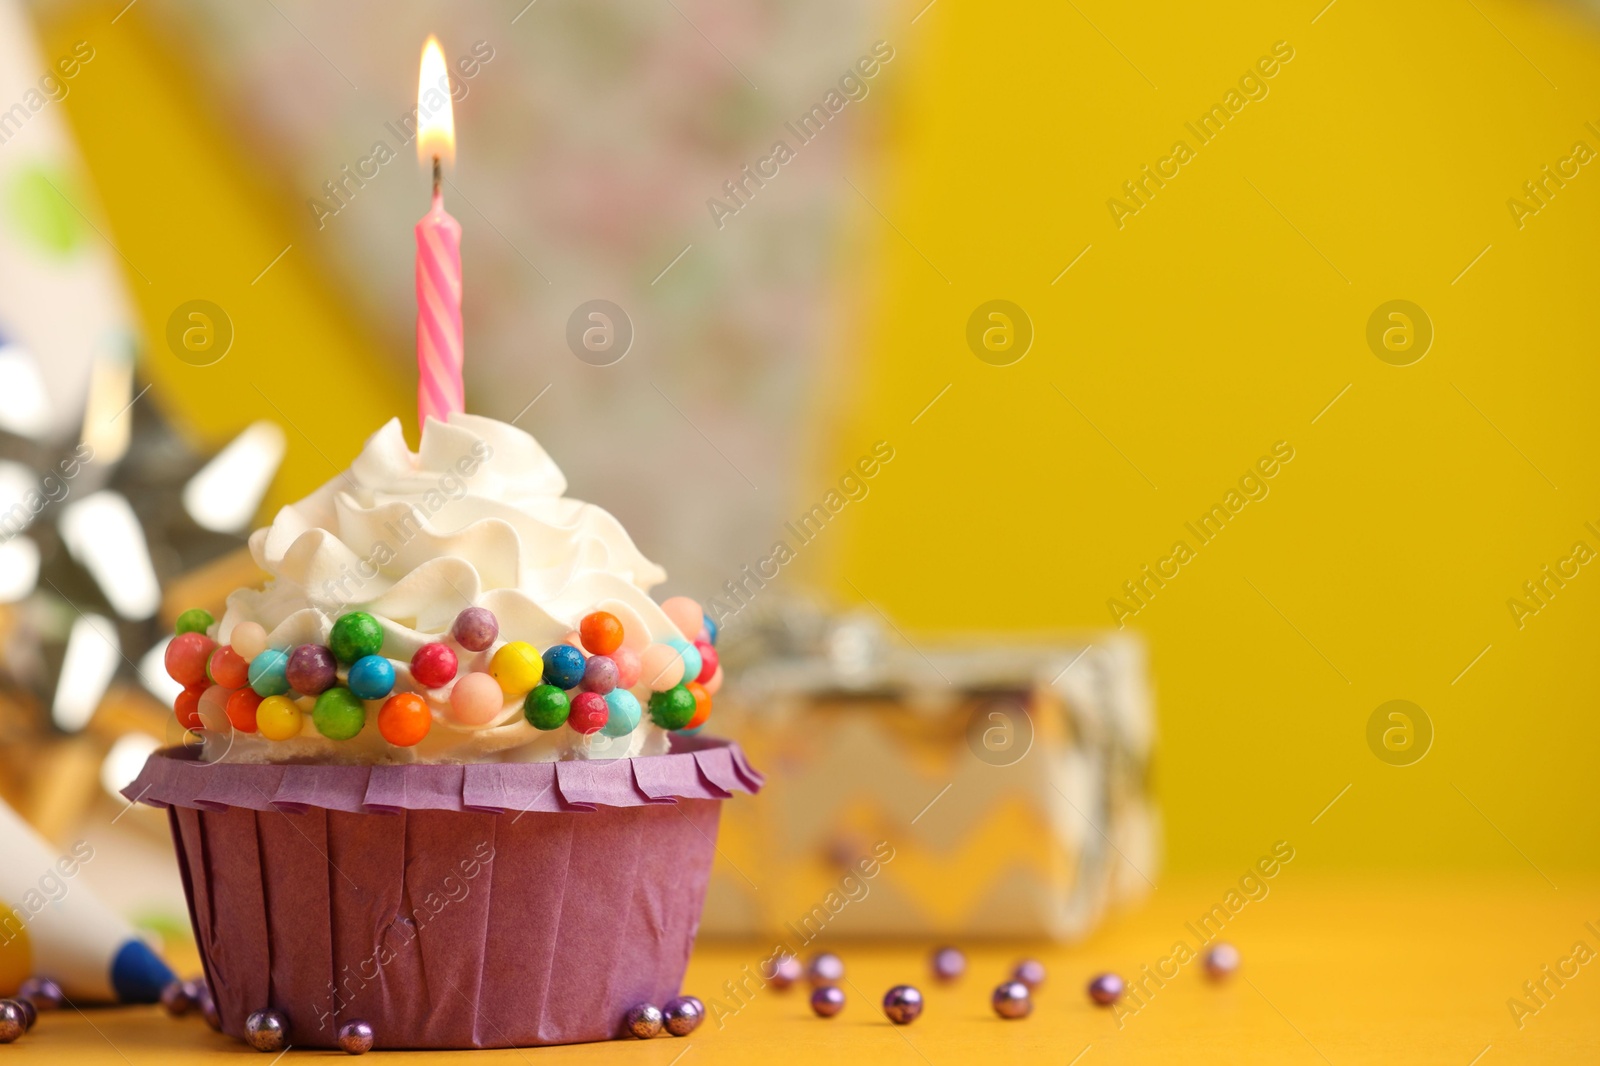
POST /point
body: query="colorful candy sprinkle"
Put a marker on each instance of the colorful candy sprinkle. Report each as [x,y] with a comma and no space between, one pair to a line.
[711,628]
[279,718]
[187,707]
[371,677]
[269,672]
[194,620]
[312,669]
[589,713]
[673,708]
[628,666]
[186,658]
[476,699]
[241,709]
[248,639]
[702,705]
[355,636]
[709,660]
[691,657]
[715,683]
[434,665]
[404,719]
[624,713]
[518,668]
[600,674]
[546,707]
[600,632]
[660,667]
[685,614]
[563,666]
[227,668]
[475,629]
[339,714]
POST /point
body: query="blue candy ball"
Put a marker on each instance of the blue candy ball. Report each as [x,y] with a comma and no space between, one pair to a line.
[371,677]
[563,666]
[690,655]
[712,629]
[625,712]
[269,672]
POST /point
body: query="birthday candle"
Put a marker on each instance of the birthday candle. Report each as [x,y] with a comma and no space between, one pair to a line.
[439,339]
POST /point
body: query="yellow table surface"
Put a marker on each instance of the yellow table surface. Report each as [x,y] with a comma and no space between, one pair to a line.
[1380,968]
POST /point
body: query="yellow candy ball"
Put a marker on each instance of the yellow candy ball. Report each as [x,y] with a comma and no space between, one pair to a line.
[279,718]
[517,667]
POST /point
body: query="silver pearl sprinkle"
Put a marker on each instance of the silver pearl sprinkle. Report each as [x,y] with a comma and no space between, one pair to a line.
[267,1030]
[356,1037]
[903,1004]
[1013,1000]
[13,1022]
[644,1020]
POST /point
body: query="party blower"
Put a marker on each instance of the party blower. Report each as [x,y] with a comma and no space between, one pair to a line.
[52,926]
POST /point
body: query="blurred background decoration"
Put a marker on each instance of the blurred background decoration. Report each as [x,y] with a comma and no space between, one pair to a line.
[213,153]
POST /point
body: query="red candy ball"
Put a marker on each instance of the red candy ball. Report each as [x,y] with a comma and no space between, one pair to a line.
[228,668]
[589,713]
[600,632]
[186,658]
[241,709]
[187,707]
[708,660]
[434,665]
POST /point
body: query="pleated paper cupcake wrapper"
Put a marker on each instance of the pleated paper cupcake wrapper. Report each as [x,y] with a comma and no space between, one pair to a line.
[476,906]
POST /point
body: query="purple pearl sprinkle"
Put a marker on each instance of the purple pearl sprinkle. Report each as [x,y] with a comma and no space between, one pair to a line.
[311,670]
[644,1020]
[1221,960]
[208,1006]
[29,1011]
[683,1015]
[355,1037]
[178,998]
[1030,972]
[1013,1000]
[267,1030]
[826,969]
[1106,989]
[949,964]
[475,629]
[600,674]
[903,1004]
[42,992]
[784,971]
[827,1000]
[13,1022]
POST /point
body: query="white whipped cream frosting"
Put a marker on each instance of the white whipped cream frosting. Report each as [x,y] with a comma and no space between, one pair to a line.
[476,517]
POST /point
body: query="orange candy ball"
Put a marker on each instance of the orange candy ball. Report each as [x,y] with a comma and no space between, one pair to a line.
[600,632]
[241,709]
[702,705]
[187,707]
[405,719]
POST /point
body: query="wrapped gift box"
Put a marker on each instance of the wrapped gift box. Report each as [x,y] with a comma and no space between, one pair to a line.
[973,788]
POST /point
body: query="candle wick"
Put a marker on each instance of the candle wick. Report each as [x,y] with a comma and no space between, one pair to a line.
[437,176]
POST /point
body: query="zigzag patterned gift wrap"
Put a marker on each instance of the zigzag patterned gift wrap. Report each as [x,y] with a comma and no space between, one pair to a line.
[981,790]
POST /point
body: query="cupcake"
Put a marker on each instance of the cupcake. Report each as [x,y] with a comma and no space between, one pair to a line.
[450,779]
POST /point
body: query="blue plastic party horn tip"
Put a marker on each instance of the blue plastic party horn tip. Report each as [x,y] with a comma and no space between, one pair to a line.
[137,975]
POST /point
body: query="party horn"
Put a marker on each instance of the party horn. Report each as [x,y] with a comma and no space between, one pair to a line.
[52,926]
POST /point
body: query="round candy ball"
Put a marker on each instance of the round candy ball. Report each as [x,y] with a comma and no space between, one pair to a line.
[187,708]
[249,639]
[589,713]
[1106,989]
[1012,1000]
[404,719]
[371,677]
[563,666]
[279,718]
[708,660]
[644,1020]
[194,620]
[673,708]
[702,705]
[902,1004]
[827,1000]
[339,714]
[546,708]
[267,1030]
[177,998]
[476,699]
[712,629]
[355,636]
[312,669]
[355,1037]
[30,1013]
[660,667]
[628,666]
[269,672]
[475,629]
[1030,972]
[213,708]
[691,657]
[948,964]
[13,1021]
[186,658]
[600,632]
[623,713]
[42,992]
[826,969]
[241,709]
[684,613]
[227,668]
[682,1015]
[715,683]
[517,667]
[783,971]
[600,674]
[434,665]
[1221,960]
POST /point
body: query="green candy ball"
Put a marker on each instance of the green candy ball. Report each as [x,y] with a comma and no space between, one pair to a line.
[194,620]
[355,635]
[339,714]
[673,708]
[546,707]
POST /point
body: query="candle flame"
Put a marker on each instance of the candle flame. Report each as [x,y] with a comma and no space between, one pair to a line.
[436,124]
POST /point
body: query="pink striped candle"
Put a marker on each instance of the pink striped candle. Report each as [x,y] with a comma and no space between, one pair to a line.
[439,344]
